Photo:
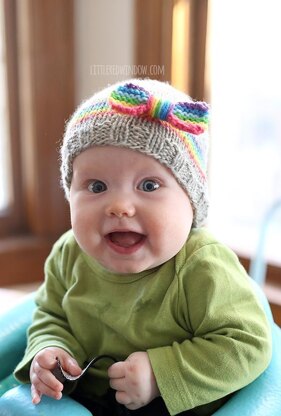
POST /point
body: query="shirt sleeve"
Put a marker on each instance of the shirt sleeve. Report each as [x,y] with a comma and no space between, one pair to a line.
[50,326]
[231,341]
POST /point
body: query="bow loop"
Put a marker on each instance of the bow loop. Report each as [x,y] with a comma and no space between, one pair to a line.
[190,116]
[131,99]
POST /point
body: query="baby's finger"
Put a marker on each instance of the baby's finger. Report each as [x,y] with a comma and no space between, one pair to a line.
[117,370]
[39,389]
[35,394]
[41,376]
[117,384]
[126,400]
[70,365]
[123,398]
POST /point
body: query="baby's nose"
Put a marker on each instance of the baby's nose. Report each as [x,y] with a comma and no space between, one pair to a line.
[120,208]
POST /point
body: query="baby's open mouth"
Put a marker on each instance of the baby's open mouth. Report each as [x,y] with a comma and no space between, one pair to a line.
[125,239]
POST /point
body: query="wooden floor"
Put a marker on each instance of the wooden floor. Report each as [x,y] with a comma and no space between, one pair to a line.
[10,296]
[273,294]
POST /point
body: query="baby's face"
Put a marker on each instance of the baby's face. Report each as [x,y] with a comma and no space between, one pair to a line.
[127,210]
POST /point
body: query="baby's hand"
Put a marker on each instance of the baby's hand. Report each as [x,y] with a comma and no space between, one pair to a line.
[133,381]
[41,377]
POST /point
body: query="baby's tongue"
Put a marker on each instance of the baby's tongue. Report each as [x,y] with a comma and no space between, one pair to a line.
[125,239]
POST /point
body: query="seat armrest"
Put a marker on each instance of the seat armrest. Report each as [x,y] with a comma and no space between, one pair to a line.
[263,396]
[13,326]
[18,402]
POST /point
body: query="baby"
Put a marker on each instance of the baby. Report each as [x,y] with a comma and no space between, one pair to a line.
[137,277]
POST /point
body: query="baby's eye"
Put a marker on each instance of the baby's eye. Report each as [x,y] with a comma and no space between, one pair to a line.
[97,187]
[149,185]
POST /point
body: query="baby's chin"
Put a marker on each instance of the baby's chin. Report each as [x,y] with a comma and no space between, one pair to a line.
[127,266]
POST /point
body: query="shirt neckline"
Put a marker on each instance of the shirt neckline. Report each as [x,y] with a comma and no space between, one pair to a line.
[109,276]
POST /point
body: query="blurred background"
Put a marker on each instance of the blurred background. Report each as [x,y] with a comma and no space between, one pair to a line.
[55,53]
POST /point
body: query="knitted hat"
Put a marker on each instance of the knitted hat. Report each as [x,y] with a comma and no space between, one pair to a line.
[153,118]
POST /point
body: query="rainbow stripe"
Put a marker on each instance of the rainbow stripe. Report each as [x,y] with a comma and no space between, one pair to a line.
[90,112]
[194,152]
[193,149]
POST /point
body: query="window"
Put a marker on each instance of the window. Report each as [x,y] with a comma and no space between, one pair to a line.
[245,92]
[4,133]
[180,42]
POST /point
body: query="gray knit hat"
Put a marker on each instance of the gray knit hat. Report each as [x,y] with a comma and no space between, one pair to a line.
[151,117]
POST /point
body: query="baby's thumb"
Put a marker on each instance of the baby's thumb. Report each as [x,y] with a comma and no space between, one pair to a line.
[71,366]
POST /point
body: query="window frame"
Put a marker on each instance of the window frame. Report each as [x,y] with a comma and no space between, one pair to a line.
[11,219]
[40,58]
[154,25]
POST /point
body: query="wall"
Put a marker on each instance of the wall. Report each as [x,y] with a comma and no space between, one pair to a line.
[104,44]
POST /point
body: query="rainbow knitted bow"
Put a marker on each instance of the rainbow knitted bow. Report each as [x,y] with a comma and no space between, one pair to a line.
[191,117]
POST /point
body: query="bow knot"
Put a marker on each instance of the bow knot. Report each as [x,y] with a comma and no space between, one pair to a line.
[131,99]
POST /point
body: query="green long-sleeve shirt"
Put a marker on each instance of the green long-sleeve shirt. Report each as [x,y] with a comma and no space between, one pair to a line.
[196,315]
